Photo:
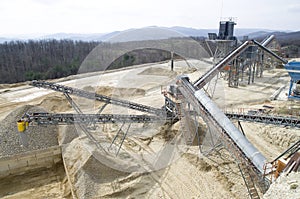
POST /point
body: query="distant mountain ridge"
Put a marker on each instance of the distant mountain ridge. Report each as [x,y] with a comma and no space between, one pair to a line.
[284,38]
[169,32]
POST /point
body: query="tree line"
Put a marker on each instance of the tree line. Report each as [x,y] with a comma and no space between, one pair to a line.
[44,59]
[50,59]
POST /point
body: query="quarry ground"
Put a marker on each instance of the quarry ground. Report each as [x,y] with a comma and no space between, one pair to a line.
[189,174]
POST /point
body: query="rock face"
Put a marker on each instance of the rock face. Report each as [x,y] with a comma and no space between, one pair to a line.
[39,137]
[286,186]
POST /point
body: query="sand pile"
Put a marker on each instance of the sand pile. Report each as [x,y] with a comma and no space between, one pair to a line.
[93,179]
[39,137]
[187,177]
[270,140]
[5,86]
[120,92]
[286,186]
[158,72]
[283,137]
[55,103]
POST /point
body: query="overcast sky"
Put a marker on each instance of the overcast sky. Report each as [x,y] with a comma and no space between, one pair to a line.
[101,16]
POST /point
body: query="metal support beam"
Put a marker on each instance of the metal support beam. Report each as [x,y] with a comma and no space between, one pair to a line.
[213,71]
[241,128]
[115,137]
[123,138]
[270,52]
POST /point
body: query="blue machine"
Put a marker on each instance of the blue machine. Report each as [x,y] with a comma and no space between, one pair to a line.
[293,69]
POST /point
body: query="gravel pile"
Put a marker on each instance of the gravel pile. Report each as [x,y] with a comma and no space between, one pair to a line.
[39,137]
[67,134]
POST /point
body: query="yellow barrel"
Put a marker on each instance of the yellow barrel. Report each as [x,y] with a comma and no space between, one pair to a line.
[21,126]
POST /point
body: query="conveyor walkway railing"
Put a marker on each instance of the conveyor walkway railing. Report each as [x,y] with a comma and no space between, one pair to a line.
[69,118]
[95,96]
[266,119]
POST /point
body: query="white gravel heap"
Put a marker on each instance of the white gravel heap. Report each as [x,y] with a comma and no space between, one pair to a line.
[39,137]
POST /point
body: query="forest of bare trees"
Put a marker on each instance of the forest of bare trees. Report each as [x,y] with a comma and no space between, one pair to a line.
[49,59]
[45,59]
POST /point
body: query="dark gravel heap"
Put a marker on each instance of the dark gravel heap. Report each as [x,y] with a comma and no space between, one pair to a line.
[67,134]
[39,137]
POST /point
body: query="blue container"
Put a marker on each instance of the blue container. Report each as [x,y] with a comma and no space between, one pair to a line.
[293,68]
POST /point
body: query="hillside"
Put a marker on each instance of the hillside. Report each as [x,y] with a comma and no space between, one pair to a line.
[284,38]
[176,30]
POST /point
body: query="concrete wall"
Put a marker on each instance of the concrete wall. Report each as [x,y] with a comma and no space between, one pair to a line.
[21,163]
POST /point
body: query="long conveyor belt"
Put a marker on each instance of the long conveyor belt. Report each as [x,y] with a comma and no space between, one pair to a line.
[204,79]
[69,118]
[95,96]
[209,107]
[206,107]
[236,142]
[266,119]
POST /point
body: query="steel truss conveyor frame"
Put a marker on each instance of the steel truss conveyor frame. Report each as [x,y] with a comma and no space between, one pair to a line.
[266,119]
[95,96]
[69,118]
[210,74]
[249,159]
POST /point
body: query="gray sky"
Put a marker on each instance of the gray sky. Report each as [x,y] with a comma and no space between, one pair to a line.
[100,16]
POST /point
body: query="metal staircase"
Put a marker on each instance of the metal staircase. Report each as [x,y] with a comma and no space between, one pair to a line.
[248,179]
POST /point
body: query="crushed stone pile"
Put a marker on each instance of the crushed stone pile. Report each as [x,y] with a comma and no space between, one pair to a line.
[39,137]
[66,134]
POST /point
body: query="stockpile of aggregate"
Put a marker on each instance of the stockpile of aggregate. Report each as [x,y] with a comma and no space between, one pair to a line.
[286,186]
[38,136]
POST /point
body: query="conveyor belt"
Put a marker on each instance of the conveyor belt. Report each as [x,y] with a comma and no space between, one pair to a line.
[204,79]
[95,96]
[267,40]
[68,118]
[204,105]
[246,155]
[266,119]
[270,52]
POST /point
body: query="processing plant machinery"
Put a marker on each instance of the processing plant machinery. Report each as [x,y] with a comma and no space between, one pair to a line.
[184,95]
